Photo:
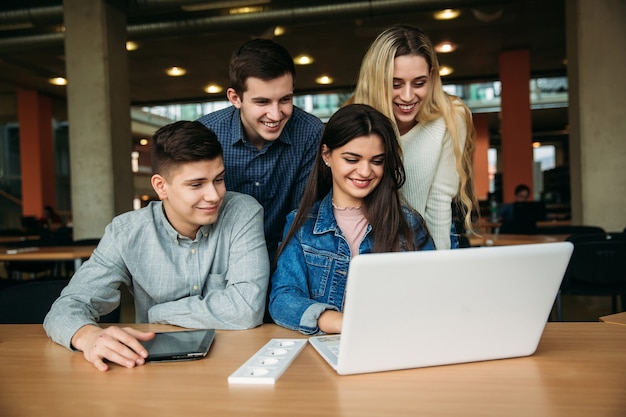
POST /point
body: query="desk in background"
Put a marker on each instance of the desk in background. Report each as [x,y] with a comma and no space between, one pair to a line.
[499,239]
[618,318]
[48,253]
[14,239]
[578,370]
[488,226]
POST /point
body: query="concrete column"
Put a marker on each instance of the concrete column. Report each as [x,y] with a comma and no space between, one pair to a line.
[98,114]
[36,152]
[597,111]
[516,122]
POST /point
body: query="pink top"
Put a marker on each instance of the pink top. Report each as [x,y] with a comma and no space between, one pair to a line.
[353,225]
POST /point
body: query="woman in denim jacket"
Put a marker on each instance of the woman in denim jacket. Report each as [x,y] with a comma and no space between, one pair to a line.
[351,206]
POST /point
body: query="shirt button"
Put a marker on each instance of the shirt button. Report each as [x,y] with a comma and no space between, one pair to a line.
[256,184]
[193,250]
[195,288]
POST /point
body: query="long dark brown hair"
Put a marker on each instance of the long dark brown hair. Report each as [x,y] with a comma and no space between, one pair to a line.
[383,206]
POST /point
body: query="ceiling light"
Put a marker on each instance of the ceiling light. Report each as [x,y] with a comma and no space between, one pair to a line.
[246,10]
[536,144]
[143,141]
[212,5]
[445,70]
[303,59]
[213,89]
[324,79]
[176,71]
[279,31]
[131,46]
[447,14]
[445,47]
[58,81]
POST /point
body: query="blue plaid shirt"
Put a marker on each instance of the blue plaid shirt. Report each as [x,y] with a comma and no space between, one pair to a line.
[275,175]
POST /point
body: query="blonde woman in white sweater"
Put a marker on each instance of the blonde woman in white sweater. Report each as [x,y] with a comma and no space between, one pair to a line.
[399,76]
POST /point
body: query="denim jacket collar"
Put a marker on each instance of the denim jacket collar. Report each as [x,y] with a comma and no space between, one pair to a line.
[325,221]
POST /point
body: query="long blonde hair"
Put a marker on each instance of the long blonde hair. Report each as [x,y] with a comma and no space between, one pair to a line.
[377,91]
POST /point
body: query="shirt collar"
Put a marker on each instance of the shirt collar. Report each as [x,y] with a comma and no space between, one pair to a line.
[172,234]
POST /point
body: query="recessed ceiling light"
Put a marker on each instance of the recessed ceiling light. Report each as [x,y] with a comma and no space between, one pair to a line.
[213,89]
[324,79]
[445,47]
[176,71]
[303,59]
[214,4]
[447,14]
[58,81]
[245,10]
[131,46]
[279,31]
[445,70]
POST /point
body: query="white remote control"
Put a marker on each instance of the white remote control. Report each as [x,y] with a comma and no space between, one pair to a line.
[269,363]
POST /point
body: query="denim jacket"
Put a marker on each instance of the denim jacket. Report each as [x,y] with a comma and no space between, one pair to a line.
[312,270]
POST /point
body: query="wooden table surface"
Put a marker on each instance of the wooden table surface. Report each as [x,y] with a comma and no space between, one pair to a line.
[579,369]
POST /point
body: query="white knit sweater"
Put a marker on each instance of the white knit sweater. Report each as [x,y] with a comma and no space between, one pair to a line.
[431,177]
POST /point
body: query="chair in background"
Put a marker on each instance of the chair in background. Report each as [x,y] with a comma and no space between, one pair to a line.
[597,267]
[524,219]
[29,302]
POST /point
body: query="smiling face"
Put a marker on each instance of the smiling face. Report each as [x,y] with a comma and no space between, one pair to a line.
[192,194]
[357,169]
[265,107]
[410,77]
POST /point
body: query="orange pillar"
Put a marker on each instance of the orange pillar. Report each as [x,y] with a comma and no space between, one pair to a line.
[481,160]
[516,122]
[36,152]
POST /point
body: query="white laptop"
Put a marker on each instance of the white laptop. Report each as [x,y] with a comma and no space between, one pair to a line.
[426,308]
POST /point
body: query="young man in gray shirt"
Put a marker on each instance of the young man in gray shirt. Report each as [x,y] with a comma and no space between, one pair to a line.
[195,259]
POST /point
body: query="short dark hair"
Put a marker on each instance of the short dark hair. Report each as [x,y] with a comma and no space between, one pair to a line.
[181,142]
[522,187]
[259,58]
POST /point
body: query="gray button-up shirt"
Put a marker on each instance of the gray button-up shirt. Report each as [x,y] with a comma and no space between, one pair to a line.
[218,280]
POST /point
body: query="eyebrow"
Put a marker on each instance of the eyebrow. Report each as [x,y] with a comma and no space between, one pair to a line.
[380,155]
[223,172]
[269,99]
[419,77]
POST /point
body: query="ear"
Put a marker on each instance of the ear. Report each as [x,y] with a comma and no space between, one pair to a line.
[158,183]
[233,97]
[325,154]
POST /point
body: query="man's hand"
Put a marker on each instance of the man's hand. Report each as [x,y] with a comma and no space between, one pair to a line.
[115,344]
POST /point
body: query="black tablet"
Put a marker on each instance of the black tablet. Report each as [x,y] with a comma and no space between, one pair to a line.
[179,345]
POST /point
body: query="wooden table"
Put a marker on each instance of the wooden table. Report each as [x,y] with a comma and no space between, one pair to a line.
[618,318]
[578,370]
[14,239]
[48,253]
[499,239]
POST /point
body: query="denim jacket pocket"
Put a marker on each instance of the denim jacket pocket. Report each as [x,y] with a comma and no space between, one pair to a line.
[318,265]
